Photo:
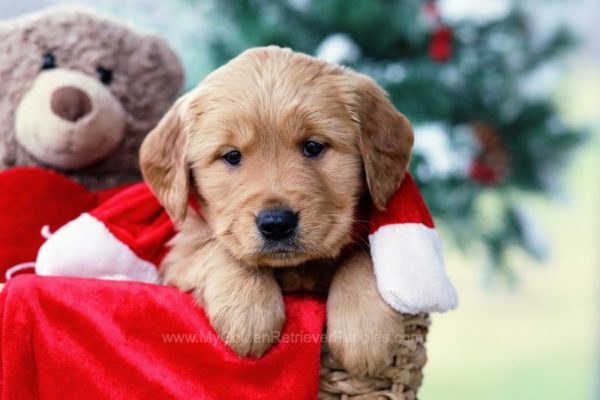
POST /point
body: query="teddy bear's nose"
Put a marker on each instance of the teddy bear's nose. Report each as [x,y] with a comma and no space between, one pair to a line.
[70,103]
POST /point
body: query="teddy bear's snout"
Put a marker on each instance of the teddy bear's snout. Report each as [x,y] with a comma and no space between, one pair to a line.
[69,119]
[70,103]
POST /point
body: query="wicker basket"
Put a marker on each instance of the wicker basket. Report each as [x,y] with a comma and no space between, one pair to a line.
[399,381]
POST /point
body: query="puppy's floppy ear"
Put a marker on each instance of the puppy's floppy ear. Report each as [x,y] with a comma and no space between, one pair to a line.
[164,164]
[385,142]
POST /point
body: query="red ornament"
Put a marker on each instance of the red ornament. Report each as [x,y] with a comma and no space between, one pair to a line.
[484,174]
[440,47]
[491,164]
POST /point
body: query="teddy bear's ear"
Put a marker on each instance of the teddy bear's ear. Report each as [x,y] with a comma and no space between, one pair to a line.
[170,61]
[164,163]
[385,141]
[10,89]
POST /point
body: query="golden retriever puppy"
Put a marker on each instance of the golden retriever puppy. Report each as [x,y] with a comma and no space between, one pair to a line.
[279,148]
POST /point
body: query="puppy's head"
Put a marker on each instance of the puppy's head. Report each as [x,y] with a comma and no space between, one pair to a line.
[279,147]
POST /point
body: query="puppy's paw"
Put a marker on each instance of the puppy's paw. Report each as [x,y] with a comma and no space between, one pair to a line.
[245,306]
[363,343]
[362,330]
[249,329]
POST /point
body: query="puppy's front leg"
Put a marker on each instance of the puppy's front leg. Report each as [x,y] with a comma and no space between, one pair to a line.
[244,304]
[362,329]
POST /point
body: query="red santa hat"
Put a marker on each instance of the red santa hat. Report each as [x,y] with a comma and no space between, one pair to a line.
[123,239]
[126,237]
[407,255]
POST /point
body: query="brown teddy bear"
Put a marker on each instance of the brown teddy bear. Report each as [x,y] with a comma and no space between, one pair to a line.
[78,93]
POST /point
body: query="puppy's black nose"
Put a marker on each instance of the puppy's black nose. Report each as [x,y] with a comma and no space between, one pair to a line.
[277,223]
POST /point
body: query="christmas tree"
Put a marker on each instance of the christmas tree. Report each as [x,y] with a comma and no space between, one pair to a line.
[485,129]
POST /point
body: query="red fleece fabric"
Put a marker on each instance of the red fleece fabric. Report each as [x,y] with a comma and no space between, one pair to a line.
[136,218]
[64,338]
[74,338]
[84,338]
[406,206]
[31,198]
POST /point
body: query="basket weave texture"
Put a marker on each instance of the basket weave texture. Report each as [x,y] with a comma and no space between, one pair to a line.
[398,381]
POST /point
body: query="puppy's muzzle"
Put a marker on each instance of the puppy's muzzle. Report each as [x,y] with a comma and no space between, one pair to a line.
[275,224]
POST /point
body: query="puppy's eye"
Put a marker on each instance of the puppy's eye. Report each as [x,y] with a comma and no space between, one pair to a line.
[234,157]
[48,61]
[313,149]
[104,74]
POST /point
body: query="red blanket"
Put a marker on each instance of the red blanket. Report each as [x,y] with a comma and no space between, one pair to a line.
[73,338]
[33,198]
[88,338]
[70,338]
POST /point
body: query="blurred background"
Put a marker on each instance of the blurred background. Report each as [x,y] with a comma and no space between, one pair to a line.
[505,100]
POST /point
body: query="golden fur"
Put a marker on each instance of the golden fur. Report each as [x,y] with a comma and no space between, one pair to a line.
[266,103]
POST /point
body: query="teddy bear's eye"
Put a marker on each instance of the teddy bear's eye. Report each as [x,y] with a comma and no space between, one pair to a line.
[48,61]
[105,75]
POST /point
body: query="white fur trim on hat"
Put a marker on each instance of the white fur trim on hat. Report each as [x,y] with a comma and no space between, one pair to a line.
[86,248]
[410,270]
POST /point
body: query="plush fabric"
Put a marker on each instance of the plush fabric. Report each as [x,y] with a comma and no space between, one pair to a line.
[75,338]
[407,255]
[122,239]
[82,247]
[32,198]
[65,337]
